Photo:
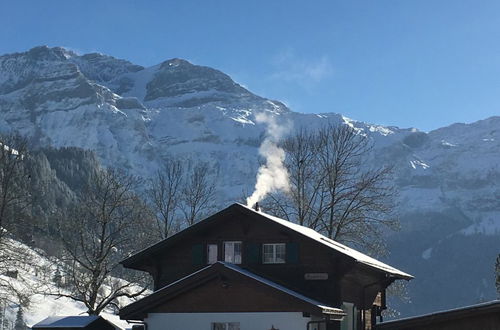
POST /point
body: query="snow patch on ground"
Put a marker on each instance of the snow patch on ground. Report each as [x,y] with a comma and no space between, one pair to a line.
[415,164]
[38,276]
[447,144]
[140,80]
[489,226]
[383,130]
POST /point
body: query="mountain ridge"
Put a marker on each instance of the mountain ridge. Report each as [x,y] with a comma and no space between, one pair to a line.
[136,117]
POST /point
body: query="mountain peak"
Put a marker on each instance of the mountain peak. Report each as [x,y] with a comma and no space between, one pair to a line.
[176,77]
[103,68]
[175,62]
[50,53]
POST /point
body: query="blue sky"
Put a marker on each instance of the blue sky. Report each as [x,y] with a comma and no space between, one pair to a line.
[409,63]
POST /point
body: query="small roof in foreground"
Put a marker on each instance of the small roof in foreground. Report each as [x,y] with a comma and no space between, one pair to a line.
[148,302]
[66,321]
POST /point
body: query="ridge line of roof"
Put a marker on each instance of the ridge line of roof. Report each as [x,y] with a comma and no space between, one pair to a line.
[309,232]
[62,321]
[445,312]
[328,309]
[157,245]
[305,231]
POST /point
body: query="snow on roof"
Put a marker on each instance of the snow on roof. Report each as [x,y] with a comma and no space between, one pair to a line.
[490,304]
[66,321]
[358,256]
[308,232]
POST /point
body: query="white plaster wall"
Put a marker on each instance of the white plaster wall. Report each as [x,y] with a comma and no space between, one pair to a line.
[248,321]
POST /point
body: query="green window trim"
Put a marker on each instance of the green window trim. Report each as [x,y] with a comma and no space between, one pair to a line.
[197,254]
[292,253]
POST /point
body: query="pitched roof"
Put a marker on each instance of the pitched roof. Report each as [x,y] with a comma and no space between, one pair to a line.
[133,310]
[440,316]
[304,231]
[326,309]
[66,321]
[311,233]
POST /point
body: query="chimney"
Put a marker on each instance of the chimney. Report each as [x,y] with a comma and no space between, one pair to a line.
[256,207]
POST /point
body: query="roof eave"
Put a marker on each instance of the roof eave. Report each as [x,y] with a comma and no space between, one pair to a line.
[335,313]
[137,310]
[134,261]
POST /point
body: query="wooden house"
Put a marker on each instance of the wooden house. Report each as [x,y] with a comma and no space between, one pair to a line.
[244,269]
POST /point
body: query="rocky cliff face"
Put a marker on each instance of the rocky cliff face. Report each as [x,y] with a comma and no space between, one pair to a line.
[135,117]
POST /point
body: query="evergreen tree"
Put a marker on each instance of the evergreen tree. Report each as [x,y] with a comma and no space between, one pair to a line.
[57,279]
[2,315]
[5,323]
[20,324]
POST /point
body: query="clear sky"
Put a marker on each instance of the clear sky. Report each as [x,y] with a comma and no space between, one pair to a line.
[409,63]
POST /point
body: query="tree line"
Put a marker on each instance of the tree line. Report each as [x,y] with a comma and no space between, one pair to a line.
[97,218]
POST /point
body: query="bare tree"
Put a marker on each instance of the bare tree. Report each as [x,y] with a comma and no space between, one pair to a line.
[198,192]
[305,193]
[182,193]
[165,196]
[16,261]
[109,222]
[334,189]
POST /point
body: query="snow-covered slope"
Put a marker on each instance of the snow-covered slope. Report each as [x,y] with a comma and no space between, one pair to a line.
[36,278]
[135,117]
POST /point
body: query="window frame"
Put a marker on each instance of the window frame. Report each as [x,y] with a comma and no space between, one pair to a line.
[274,260]
[208,253]
[233,251]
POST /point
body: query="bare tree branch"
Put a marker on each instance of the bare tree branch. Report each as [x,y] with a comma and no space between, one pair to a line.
[108,223]
[333,188]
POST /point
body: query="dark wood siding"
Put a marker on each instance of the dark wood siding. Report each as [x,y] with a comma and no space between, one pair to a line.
[303,256]
[224,294]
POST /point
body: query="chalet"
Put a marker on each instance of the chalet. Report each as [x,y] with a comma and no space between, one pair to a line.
[244,269]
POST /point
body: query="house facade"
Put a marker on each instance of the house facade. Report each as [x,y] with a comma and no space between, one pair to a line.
[244,269]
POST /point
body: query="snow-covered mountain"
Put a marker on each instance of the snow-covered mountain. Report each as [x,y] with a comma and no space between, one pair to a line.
[136,117]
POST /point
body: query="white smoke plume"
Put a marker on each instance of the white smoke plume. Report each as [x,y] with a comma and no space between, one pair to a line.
[272,176]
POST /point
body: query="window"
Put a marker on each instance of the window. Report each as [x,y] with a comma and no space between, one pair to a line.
[212,253]
[226,326]
[232,252]
[273,253]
